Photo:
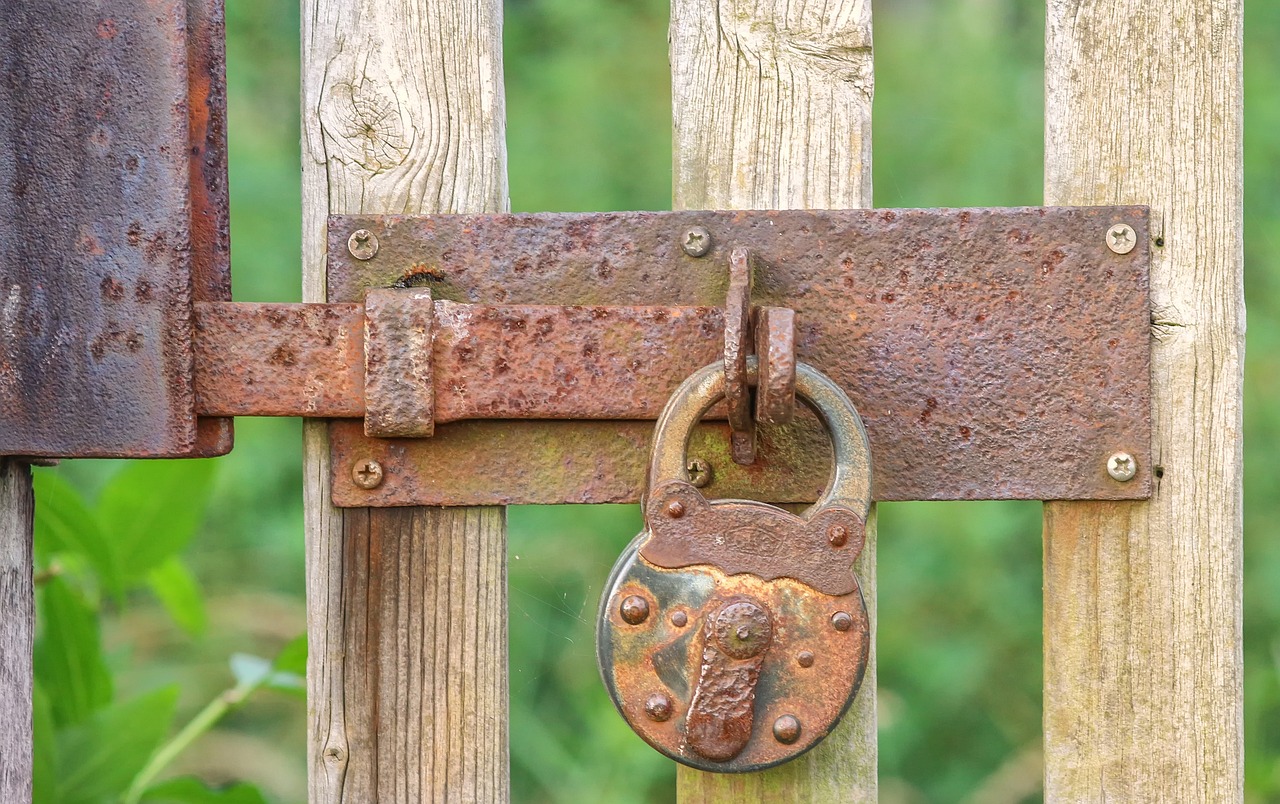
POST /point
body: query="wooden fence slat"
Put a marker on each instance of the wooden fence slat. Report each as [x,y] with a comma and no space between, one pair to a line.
[772,110]
[17,630]
[403,112]
[1142,617]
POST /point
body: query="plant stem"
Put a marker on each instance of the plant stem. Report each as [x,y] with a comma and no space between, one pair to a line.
[203,721]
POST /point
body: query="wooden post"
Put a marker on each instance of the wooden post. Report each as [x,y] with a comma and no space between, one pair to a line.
[772,110]
[17,630]
[403,112]
[1142,616]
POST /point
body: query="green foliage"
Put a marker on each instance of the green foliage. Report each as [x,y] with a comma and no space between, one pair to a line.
[94,559]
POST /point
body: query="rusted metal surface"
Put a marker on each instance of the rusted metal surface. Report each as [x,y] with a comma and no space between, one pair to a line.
[210,193]
[280,359]
[735,714]
[98,265]
[775,334]
[994,354]
[398,378]
[738,344]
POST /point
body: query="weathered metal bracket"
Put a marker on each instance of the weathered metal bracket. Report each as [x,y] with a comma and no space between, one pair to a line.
[113,205]
[994,354]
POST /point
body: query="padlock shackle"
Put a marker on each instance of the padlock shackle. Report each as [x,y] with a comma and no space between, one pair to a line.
[850,484]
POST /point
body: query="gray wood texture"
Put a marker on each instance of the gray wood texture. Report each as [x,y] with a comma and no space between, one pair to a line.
[17,630]
[1142,618]
[403,112]
[772,110]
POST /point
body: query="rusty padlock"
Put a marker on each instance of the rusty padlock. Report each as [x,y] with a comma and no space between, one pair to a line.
[732,634]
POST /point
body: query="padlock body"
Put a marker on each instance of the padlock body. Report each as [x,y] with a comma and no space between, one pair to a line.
[661,635]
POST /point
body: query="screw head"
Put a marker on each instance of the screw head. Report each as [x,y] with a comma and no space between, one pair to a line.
[679,619]
[805,658]
[658,707]
[634,609]
[696,241]
[841,621]
[699,472]
[1121,238]
[675,509]
[786,729]
[367,474]
[1122,466]
[838,535]
[362,244]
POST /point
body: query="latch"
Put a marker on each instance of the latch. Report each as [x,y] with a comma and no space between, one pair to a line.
[473,359]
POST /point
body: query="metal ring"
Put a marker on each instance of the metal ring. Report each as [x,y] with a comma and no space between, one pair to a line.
[850,483]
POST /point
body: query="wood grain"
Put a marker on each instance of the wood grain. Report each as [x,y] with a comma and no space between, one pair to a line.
[772,110]
[403,112]
[17,630]
[1142,617]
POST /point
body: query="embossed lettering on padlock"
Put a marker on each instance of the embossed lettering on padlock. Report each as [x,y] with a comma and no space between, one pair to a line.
[732,634]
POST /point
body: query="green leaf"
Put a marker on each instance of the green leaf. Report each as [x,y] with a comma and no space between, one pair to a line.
[176,587]
[65,524]
[68,655]
[152,509]
[99,759]
[188,790]
[292,658]
[255,671]
[45,748]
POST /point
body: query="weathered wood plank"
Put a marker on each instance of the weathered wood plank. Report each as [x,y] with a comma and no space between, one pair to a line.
[17,630]
[772,110]
[403,112]
[1142,617]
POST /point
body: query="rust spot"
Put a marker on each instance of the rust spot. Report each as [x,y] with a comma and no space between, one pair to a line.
[888,297]
[965,433]
[930,405]
[112,289]
[107,29]
[144,292]
[282,356]
[1052,260]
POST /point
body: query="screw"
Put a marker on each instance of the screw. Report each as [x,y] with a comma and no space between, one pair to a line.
[838,535]
[786,729]
[367,474]
[658,707]
[675,509]
[362,244]
[699,472]
[679,619]
[635,609]
[1121,239]
[696,242]
[841,621]
[1121,466]
[805,658]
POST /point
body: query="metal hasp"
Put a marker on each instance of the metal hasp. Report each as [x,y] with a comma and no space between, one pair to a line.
[993,353]
[113,221]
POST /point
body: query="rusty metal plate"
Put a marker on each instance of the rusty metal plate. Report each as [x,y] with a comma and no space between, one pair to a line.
[97,240]
[992,353]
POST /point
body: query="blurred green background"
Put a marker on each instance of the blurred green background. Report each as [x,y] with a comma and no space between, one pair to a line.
[958,122]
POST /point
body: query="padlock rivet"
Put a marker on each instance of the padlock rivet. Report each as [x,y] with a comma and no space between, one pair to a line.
[841,621]
[805,658]
[679,619]
[838,535]
[634,609]
[675,509]
[658,707]
[786,729]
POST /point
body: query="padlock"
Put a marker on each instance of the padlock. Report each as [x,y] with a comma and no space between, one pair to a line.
[732,634]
